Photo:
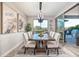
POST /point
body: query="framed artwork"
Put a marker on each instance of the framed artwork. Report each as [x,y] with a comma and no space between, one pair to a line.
[21,23]
[9,20]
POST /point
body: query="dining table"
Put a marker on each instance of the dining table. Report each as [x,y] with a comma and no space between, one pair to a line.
[41,41]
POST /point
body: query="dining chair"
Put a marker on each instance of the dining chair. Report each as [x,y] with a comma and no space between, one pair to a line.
[54,44]
[30,34]
[29,44]
[52,34]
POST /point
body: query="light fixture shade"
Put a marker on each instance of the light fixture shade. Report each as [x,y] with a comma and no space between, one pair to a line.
[40,20]
[40,17]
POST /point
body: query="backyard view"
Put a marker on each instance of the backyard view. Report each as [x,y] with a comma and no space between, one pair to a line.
[71,30]
[40,26]
[72,24]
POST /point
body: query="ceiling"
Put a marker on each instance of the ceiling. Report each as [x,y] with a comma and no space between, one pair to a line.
[74,11]
[48,8]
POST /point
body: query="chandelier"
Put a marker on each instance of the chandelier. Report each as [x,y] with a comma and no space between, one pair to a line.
[40,15]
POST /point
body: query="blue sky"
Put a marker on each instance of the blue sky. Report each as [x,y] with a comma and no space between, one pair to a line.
[71,22]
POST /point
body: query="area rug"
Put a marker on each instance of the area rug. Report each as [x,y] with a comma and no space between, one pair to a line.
[52,53]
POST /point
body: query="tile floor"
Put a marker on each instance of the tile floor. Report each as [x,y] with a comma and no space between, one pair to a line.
[63,53]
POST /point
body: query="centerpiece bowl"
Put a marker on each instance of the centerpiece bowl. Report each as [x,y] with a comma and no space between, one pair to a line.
[41,34]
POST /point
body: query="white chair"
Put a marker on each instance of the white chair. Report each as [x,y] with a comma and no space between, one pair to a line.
[30,34]
[54,44]
[52,34]
[28,44]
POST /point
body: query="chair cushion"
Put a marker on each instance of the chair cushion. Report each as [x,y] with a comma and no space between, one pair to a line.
[52,44]
[30,44]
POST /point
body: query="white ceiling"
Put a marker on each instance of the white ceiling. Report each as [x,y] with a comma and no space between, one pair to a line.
[48,8]
[74,11]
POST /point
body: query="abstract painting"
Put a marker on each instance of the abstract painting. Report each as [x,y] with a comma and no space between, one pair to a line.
[9,20]
[21,23]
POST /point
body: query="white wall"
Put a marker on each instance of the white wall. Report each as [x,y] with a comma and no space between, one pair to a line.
[0,17]
[8,42]
[49,18]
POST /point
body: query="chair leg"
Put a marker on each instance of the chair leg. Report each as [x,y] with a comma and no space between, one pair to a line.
[47,52]
[25,50]
[57,51]
[34,51]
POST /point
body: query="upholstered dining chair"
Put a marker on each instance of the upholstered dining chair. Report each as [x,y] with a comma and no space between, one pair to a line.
[30,34]
[54,44]
[28,44]
[51,34]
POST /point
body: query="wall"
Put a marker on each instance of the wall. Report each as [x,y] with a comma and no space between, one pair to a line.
[9,42]
[0,17]
[11,15]
[49,18]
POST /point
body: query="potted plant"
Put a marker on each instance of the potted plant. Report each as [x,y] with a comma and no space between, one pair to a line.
[28,27]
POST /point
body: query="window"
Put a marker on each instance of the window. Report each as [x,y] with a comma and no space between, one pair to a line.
[40,26]
[71,22]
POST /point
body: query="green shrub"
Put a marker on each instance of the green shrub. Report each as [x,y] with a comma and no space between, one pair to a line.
[74,27]
[28,27]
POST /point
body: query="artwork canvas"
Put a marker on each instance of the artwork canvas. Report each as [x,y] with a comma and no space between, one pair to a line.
[9,20]
[21,23]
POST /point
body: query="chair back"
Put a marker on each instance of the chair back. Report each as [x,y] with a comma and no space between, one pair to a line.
[57,37]
[30,34]
[26,37]
[52,34]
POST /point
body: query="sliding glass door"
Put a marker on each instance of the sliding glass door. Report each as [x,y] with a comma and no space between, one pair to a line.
[72,25]
[60,26]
